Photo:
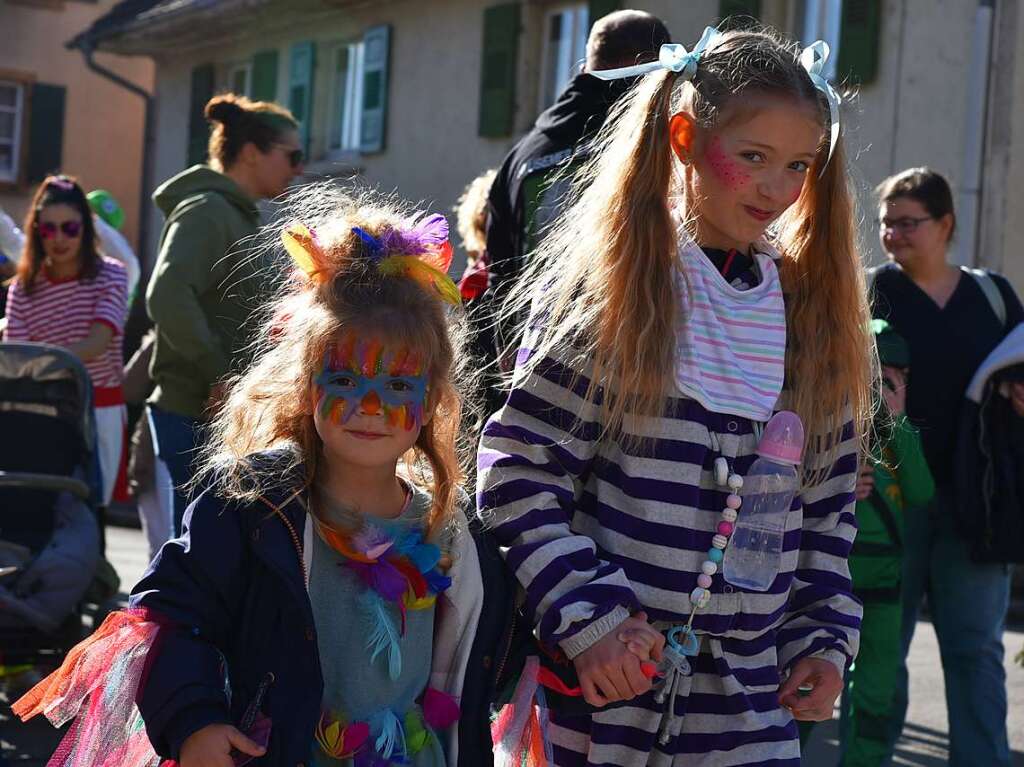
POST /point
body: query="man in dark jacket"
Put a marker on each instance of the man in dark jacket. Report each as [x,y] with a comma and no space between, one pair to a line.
[526,195]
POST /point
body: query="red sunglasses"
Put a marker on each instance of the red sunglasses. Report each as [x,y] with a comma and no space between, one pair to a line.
[48,229]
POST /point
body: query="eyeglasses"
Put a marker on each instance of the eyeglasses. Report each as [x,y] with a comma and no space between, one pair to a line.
[295,156]
[48,229]
[905,225]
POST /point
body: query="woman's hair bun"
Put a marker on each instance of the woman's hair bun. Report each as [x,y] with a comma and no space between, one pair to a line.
[224,109]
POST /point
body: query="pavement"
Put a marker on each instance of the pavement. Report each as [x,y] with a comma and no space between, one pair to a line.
[924,742]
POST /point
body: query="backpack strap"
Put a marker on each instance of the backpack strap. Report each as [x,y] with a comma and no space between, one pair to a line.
[992,293]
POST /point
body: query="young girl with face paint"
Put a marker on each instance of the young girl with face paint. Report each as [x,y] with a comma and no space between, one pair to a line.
[319,607]
[705,278]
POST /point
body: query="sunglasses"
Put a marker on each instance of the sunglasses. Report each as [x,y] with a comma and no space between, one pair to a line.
[48,229]
[295,156]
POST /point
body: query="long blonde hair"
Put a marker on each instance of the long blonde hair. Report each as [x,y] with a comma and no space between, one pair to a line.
[600,286]
[270,405]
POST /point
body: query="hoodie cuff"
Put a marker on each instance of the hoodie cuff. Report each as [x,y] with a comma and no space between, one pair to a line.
[594,632]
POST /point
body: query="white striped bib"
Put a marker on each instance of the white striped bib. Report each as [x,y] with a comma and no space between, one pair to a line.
[730,343]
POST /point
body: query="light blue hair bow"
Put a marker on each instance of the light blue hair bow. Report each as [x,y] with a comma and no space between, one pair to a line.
[671,56]
[813,59]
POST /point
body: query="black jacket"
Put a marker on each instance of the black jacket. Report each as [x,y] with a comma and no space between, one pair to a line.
[989,466]
[559,138]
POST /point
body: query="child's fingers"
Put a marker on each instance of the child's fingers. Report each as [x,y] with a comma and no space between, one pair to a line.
[591,693]
[244,744]
[635,678]
[618,687]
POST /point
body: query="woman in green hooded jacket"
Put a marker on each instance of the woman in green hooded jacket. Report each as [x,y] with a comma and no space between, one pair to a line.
[207,281]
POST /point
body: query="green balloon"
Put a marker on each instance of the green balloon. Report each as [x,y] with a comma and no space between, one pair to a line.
[105,206]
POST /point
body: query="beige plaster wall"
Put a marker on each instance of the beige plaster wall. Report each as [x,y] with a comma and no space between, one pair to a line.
[1013,243]
[103,123]
[913,114]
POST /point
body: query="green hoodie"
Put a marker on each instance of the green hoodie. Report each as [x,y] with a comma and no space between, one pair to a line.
[902,481]
[205,285]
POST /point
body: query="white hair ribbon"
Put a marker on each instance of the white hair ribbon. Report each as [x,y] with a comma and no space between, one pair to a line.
[813,59]
[672,56]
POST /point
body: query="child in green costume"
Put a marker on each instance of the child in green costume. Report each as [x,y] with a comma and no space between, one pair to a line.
[901,480]
[895,478]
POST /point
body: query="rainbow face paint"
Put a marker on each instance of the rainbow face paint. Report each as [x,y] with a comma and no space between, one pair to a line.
[364,375]
[731,173]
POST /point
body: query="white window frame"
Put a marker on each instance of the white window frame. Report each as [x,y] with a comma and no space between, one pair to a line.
[578,15]
[346,98]
[14,174]
[822,20]
[245,69]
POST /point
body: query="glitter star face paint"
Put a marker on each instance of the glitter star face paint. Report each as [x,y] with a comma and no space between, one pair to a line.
[364,375]
[730,172]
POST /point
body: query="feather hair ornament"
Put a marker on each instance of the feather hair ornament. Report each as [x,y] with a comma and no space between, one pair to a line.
[420,251]
[306,252]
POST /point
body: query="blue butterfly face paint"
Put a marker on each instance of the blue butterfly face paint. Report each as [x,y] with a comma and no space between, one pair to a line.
[363,375]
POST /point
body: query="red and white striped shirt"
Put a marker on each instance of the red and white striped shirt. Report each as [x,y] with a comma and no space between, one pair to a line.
[60,312]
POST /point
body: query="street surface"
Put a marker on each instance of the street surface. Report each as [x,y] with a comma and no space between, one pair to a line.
[924,742]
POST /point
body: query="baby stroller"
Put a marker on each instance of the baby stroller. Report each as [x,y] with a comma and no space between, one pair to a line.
[50,531]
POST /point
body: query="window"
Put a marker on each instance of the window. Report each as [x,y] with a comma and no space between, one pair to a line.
[565,46]
[347,96]
[240,78]
[12,113]
[822,20]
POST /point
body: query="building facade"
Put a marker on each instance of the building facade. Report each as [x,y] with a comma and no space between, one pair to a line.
[420,96]
[56,114]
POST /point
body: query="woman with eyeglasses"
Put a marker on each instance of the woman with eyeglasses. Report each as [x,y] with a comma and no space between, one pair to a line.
[951,318]
[68,294]
[207,279]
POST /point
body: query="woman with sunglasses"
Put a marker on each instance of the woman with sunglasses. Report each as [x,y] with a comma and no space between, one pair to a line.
[951,319]
[207,280]
[68,294]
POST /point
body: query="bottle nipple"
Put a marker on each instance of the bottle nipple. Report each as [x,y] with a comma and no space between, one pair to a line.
[783,438]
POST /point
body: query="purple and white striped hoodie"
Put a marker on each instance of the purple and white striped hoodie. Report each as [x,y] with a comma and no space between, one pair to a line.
[596,528]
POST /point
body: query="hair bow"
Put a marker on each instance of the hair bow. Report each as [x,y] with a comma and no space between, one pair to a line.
[813,59]
[671,56]
[420,251]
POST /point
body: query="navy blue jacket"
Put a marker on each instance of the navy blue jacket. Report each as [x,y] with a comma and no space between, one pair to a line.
[233,587]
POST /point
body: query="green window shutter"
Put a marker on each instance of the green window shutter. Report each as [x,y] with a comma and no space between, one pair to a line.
[198,129]
[859,38]
[300,87]
[264,76]
[374,112]
[598,8]
[741,11]
[46,131]
[498,76]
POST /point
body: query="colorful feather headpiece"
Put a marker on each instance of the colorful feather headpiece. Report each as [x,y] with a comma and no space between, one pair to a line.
[420,251]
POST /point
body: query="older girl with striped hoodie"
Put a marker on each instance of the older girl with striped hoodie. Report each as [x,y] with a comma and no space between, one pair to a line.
[704,278]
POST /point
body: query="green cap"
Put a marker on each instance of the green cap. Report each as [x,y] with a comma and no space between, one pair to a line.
[892,348]
[106,207]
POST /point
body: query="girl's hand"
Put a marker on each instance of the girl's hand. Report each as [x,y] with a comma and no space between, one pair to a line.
[211,747]
[865,482]
[608,671]
[645,643]
[825,683]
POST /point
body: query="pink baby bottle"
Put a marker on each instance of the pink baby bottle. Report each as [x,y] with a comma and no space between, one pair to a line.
[753,557]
